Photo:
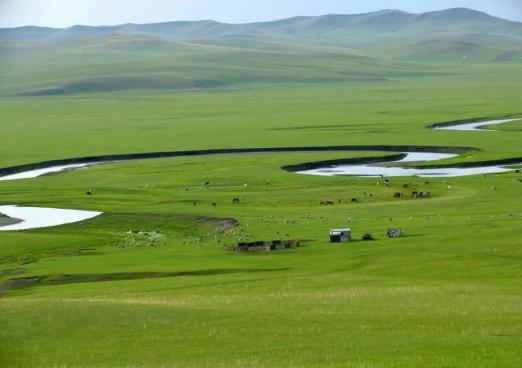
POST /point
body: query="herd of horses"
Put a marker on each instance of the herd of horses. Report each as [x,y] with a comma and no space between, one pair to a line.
[415,194]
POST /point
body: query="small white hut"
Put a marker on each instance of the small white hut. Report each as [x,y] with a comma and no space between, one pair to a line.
[340,235]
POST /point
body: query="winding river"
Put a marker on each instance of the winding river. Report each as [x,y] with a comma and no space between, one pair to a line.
[474,126]
[37,217]
[387,170]
[30,174]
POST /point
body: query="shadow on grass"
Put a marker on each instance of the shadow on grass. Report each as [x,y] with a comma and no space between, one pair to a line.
[52,280]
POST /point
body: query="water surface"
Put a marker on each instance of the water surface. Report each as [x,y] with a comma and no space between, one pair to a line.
[476,125]
[395,169]
[38,217]
[40,172]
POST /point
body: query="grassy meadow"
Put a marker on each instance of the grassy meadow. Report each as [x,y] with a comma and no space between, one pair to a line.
[447,294]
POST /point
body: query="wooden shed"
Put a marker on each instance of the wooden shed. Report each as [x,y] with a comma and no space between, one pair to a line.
[263,246]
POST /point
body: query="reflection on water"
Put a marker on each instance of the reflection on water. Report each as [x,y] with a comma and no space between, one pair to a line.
[37,217]
[374,170]
[476,126]
[39,172]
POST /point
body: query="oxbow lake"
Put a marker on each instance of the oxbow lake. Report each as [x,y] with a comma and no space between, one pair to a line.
[38,217]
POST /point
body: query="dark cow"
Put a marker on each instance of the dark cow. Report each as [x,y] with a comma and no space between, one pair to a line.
[327,203]
[236,200]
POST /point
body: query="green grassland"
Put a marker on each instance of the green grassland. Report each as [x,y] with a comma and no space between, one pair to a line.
[101,294]
[511,126]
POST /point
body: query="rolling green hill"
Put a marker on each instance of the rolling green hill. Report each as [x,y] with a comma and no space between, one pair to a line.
[378,24]
[387,34]
[208,55]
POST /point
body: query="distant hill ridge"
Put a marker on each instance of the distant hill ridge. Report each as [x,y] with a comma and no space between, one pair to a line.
[374,25]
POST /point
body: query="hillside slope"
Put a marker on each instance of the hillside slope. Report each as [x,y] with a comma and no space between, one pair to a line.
[379,24]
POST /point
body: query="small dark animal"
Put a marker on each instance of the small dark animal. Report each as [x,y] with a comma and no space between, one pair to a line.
[214,204]
[236,200]
[355,200]
[397,195]
[207,183]
[367,237]
[89,193]
[414,194]
[340,201]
